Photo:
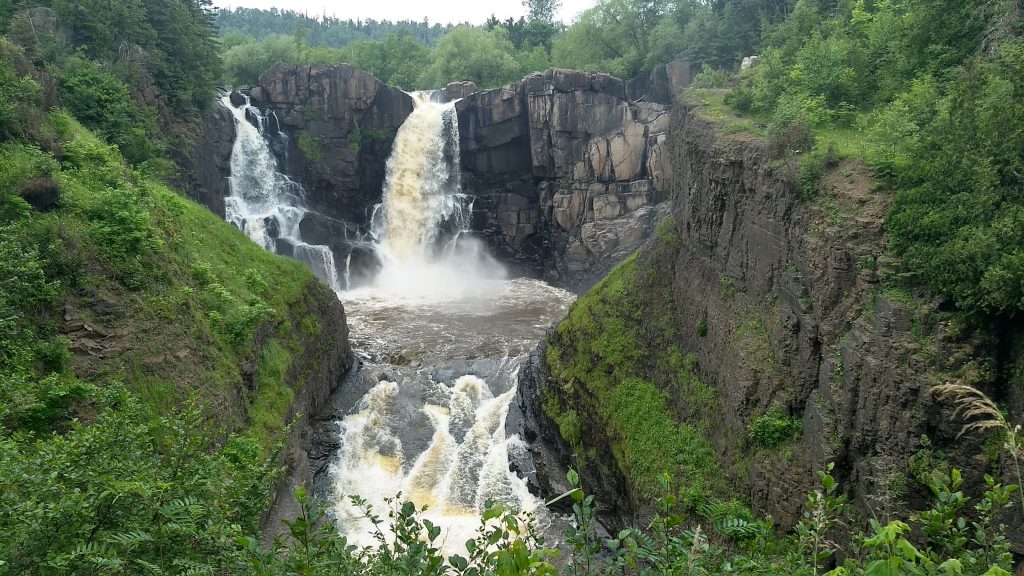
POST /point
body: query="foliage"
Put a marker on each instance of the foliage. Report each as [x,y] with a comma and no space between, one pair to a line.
[465,53]
[174,38]
[19,92]
[322,30]
[773,428]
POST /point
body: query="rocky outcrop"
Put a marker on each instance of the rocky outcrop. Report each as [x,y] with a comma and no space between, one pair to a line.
[206,164]
[661,84]
[568,173]
[785,303]
[336,125]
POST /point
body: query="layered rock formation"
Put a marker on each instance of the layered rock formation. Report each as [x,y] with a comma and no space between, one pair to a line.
[569,174]
[783,303]
[338,124]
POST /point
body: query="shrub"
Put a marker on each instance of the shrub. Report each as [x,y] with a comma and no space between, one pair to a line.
[773,428]
[709,77]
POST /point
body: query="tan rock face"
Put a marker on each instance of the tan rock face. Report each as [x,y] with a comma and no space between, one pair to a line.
[593,162]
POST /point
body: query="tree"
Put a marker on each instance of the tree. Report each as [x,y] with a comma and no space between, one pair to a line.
[480,56]
[542,10]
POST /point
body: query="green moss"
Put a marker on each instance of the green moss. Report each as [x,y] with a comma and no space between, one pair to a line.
[667,232]
[273,395]
[653,443]
[309,326]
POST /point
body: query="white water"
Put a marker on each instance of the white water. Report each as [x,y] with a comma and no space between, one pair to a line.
[446,332]
[422,225]
[263,199]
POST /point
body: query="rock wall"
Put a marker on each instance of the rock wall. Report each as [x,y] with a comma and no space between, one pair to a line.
[336,125]
[570,175]
[206,163]
[786,302]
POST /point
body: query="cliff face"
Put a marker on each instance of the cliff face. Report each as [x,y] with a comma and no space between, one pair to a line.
[568,173]
[338,124]
[206,164]
[776,301]
[325,359]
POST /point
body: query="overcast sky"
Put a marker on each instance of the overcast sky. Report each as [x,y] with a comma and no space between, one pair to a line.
[439,11]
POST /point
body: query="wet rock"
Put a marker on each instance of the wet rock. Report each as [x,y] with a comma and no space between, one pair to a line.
[338,124]
[237,99]
[207,164]
[538,155]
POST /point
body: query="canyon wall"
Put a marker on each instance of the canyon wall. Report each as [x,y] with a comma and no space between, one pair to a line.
[785,307]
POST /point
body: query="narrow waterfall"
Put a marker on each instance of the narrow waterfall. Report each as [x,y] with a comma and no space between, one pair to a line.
[266,204]
[443,334]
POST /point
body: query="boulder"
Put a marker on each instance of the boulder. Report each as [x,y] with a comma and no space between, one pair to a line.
[237,99]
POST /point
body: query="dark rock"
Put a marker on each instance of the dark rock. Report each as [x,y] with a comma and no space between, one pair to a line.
[237,99]
[206,165]
[41,193]
[284,247]
[315,228]
[351,115]
[364,264]
[322,363]
[538,153]
[662,83]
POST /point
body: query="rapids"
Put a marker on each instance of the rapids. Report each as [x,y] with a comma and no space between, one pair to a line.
[440,332]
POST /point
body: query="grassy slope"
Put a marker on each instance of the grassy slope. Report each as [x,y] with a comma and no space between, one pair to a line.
[171,294]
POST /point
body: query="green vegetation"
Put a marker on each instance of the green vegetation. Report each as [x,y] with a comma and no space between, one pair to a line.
[928,94]
[773,428]
[407,55]
[129,441]
[604,359]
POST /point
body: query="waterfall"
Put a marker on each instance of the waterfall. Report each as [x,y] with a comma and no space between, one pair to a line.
[421,192]
[264,203]
[421,227]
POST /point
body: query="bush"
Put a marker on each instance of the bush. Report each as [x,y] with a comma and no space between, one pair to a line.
[709,77]
[773,428]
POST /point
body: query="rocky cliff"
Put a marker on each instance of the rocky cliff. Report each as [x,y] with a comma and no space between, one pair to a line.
[569,174]
[755,305]
[335,127]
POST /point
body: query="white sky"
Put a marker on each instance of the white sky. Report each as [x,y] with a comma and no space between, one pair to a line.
[438,11]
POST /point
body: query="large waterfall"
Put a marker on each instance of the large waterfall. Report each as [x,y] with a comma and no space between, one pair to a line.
[264,203]
[422,225]
[443,333]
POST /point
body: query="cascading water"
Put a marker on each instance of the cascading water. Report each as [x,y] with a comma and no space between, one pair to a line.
[443,334]
[266,204]
[422,225]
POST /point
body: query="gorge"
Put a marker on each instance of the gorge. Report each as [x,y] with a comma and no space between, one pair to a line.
[747,302]
[677,288]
